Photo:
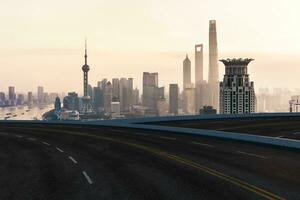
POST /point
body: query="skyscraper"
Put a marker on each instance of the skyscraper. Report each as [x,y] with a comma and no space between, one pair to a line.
[116,88]
[150,90]
[29,98]
[236,91]
[40,94]
[186,72]
[98,98]
[198,64]
[199,82]
[11,93]
[107,97]
[213,73]
[136,97]
[11,96]
[86,99]
[173,99]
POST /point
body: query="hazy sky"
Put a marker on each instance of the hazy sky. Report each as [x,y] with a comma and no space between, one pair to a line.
[42,41]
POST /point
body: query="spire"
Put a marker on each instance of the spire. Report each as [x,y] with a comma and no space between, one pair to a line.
[85,55]
[186,56]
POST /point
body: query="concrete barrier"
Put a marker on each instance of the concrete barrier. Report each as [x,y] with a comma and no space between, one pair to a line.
[138,124]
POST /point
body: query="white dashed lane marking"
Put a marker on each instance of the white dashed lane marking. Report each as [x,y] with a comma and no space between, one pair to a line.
[19,136]
[72,159]
[167,138]
[46,143]
[60,150]
[251,154]
[32,139]
[203,144]
[89,180]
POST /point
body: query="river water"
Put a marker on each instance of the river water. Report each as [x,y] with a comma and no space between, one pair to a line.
[24,112]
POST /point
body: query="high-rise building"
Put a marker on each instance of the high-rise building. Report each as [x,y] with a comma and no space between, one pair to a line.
[198,64]
[11,96]
[115,109]
[200,85]
[102,83]
[11,93]
[86,99]
[123,95]
[2,99]
[162,106]
[107,97]
[130,91]
[71,102]
[90,92]
[236,91]
[136,97]
[57,104]
[173,99]
[116,88]
[295,103]
[29,98]
[20,99]
[189,100]
[150,90]
[186,72]
[2,96]
[213,73]
[40,94]
[98,98]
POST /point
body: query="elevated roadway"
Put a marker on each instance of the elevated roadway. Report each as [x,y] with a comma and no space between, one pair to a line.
[42,161]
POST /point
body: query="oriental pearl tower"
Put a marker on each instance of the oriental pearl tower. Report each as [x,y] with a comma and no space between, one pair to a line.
[86,99]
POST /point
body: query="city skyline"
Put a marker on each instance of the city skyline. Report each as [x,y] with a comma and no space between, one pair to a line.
[43,56]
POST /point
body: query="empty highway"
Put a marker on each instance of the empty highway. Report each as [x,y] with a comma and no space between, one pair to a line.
[95,162]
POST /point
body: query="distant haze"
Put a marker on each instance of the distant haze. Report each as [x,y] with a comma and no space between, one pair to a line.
[42,41]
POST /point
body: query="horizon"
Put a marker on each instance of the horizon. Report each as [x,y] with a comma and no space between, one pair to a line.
[43,42]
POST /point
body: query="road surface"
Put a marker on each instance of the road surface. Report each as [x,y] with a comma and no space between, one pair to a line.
[94,162]
[282,127]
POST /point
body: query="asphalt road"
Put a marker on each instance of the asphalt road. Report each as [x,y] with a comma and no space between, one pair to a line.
[283,127]
[86,162]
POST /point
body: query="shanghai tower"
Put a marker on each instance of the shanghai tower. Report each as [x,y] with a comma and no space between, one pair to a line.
[213,73]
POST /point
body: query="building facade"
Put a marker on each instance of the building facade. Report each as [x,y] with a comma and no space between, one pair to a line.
[213,71]
[173,99]
[236,91]
[186,72]
[150,90]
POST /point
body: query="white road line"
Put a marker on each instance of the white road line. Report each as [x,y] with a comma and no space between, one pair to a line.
[89,180]
[32,139]
[73,160]
[167,138]
[46,143]
[251,154]
[280,136]
[19,136]
[203,144]
[60,150]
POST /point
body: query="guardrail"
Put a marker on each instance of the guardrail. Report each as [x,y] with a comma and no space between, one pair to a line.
[204,117]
